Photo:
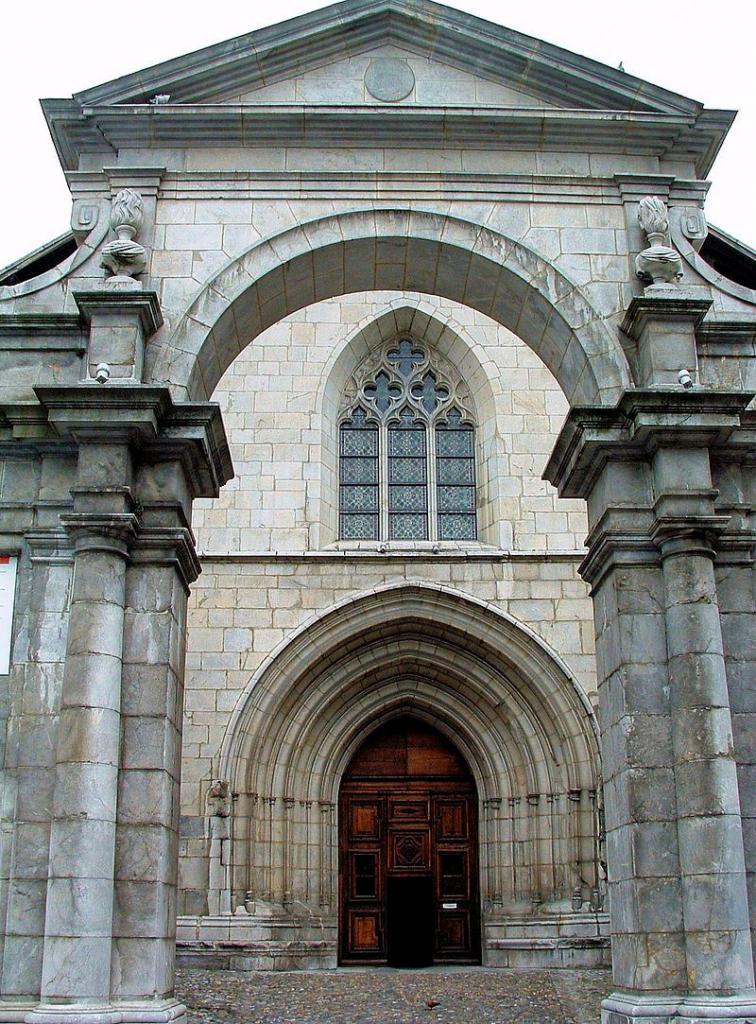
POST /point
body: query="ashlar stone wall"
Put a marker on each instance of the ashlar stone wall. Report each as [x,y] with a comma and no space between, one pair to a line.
[270,552]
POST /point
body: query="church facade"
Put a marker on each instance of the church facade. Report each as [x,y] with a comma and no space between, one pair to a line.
[376,527]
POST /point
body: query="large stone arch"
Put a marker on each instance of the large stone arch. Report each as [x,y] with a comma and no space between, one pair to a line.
[486,681]
[404,250]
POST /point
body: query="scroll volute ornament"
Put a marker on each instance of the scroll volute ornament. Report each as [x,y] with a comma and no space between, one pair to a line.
[659,263]
[124,257]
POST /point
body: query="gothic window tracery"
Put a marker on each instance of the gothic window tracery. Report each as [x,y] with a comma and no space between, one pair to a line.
[406,449]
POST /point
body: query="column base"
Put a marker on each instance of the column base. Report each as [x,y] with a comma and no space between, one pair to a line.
[163,1012]
[623,1008]
[12,1013]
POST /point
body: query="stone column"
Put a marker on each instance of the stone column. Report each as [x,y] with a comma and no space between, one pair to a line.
[712,868]
[645,896]
[78,922]
[31,756]
[146,851]
[735,480]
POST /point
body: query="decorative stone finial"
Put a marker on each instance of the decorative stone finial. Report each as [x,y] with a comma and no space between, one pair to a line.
[124,257]
[659,263]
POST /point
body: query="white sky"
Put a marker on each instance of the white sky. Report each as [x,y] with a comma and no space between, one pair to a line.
[52,49]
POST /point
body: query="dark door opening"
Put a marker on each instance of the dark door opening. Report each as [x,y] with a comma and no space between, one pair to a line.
[410,921]
[408,886]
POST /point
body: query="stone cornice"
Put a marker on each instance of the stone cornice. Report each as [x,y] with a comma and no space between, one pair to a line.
[145,304]
[110,128]
[41,331]
[641,422]
[539,69]
[105,414]
[281,184]
[671,304]
[146,417]
[728,335]
[193,433]
[174,546]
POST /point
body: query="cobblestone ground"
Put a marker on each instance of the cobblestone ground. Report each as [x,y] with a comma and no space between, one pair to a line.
[381,996]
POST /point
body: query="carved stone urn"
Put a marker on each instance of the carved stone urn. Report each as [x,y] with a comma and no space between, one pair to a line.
[124,257]
[659,263]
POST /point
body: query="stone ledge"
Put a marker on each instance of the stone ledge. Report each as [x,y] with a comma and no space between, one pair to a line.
[144,303]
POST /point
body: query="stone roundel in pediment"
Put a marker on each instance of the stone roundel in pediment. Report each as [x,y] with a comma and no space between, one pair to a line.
[389,79]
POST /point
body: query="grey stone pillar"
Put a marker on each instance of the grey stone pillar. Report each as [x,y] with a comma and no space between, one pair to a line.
[79,906]
[78,925]
[32,732]
[678,902]
[712,868]
[734,568]
[110,916]
[144,927]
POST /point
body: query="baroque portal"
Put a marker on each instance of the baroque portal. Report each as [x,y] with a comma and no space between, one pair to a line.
[376,528]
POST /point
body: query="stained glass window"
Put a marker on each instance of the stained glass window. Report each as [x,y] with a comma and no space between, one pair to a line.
[408,478]
[407,450]
[358,478]
[455,479]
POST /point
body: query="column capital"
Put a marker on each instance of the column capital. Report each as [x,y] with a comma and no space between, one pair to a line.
[113,533]
[688,535]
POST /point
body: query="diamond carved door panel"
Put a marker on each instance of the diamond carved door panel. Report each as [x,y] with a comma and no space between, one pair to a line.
[410,851]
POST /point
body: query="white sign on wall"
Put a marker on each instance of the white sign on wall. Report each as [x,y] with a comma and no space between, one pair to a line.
[7,595]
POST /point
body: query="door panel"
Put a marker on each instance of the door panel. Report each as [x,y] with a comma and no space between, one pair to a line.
[365,875]
[364,819]
[410,851]
[408,885]
[451,818]
[453,875]
[366,931]
[402,809]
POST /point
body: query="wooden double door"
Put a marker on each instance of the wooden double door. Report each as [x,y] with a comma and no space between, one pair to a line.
[408,844]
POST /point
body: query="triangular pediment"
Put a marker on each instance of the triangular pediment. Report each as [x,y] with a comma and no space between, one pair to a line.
[388,74]
[546,75]
[385,72]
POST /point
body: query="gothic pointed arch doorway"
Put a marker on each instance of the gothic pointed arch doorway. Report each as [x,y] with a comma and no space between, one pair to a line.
[408,836]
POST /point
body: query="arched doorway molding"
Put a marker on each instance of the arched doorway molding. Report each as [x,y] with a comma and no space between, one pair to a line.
[404,250]
[483,679]
[417,318]
[519,646]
